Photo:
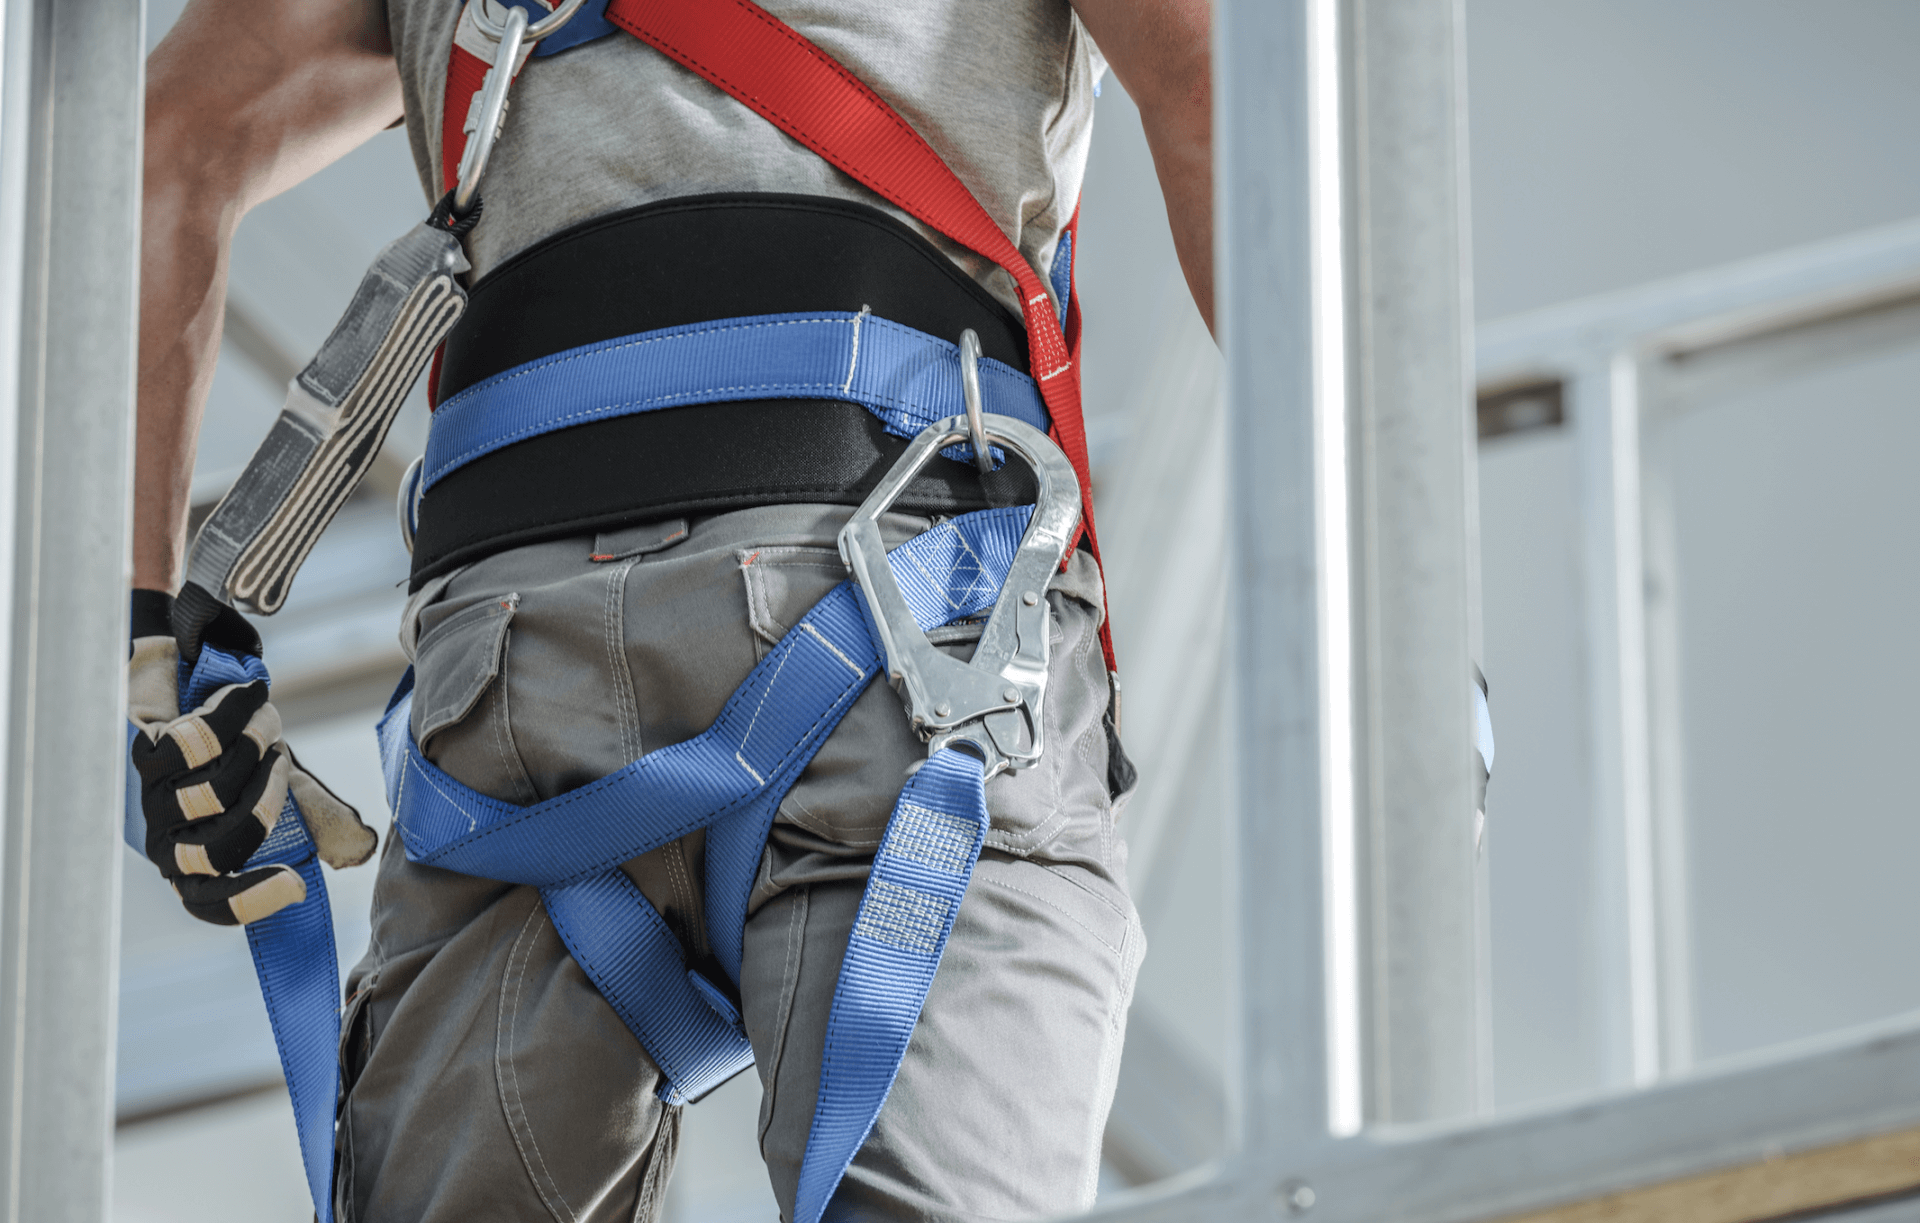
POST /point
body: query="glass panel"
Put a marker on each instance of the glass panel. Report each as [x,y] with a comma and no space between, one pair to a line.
[1781,540]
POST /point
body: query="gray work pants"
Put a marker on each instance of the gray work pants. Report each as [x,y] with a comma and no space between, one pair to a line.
[485,1076]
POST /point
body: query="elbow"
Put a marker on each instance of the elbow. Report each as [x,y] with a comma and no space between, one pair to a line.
[191,175]
[1175,93]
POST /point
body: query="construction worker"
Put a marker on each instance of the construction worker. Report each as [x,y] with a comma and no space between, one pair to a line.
[592,594]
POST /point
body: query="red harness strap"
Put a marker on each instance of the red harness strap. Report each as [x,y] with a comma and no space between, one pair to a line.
[774,70]
[466,73]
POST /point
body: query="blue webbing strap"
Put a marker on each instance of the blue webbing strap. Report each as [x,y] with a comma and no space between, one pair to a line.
[907,378]
[735,773]
[948,573]
[776,720]
[293,951]
[587,24]
[693,1034]
[1061,281]
[765,734]
[913,895]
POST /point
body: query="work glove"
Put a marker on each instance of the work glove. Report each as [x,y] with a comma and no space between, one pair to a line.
[215,780]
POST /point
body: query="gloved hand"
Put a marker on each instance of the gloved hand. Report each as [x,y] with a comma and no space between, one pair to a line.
[214,781]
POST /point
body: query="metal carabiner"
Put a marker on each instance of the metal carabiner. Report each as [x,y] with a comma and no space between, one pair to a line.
[992,704]
[970,389]
[487,112]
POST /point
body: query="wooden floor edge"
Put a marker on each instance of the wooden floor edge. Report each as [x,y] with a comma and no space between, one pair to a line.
[1773,1188]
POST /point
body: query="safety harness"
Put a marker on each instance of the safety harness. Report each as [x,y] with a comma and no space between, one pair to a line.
[979,717]
[775,71]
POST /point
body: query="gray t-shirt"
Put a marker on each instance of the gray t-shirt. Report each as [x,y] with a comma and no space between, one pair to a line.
[1002,90]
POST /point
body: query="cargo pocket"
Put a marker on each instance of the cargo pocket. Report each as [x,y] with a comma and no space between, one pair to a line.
[460,715]
[457,661]
[783,584]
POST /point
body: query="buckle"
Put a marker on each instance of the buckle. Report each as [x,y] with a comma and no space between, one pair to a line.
[991,705]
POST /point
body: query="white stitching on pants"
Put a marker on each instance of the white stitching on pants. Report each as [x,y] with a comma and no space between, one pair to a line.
[1001,883]
[509,1079]
[660,1160]
[680,875]
[795,812]
[1109,1072]
[1095,740]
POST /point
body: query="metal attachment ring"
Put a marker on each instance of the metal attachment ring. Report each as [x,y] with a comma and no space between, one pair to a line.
[970,387]
[551,23]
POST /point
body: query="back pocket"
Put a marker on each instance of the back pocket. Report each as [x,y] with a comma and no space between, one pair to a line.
[457,661]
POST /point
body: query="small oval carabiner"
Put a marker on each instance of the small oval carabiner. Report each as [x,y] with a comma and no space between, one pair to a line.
[970,387]
[488,110]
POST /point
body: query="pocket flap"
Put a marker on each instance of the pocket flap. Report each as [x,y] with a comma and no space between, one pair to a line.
[632,541]
[783,584]
[458,659]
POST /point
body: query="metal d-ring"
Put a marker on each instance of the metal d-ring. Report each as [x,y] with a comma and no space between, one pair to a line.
[970,387]
[492,30]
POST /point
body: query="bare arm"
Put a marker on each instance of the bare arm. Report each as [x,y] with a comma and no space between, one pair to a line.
[1160,51]
[245,98]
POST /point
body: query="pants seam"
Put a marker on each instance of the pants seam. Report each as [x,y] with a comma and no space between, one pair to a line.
[789,985]
[1094,934]
[662,1154]
[503,744]
[620,671]
[1110,1056]
[508,1077]
[681,877]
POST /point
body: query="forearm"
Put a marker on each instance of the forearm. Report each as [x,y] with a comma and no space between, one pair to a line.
[187,223]
[1160,50]
[244,99]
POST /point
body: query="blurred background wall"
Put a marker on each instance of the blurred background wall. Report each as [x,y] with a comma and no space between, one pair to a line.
[1615,144]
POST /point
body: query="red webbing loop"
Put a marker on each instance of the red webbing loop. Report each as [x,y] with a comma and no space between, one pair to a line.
[466,73]
[778,73]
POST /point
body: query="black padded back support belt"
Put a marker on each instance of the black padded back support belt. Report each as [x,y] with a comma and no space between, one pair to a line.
[688,261]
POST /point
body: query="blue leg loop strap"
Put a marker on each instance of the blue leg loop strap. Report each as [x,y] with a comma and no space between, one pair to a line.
[636,963]
[913,895]
[763,738]
[730,779]
[293,951]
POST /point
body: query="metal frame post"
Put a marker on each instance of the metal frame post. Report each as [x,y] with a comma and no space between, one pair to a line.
[70,141]
[1416,590]
[1279,285]
[1606,411]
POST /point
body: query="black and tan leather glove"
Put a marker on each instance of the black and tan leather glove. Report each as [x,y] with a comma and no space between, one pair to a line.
[216,779]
